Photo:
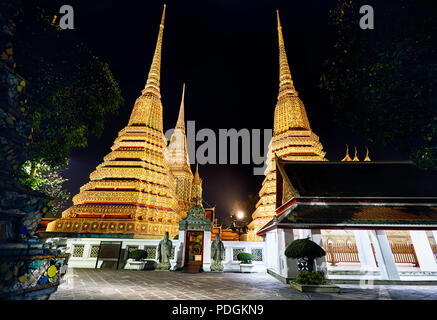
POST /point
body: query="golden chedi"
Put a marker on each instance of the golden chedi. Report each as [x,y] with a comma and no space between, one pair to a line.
[133,190]
[176,156]
[292,139]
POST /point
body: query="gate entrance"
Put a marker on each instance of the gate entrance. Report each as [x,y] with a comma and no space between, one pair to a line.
[194,251]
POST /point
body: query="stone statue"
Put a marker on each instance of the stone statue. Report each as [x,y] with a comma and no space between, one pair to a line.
[164,253]
[217,254]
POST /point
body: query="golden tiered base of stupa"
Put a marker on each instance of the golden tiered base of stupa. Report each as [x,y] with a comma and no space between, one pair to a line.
[143,229]
[132,191]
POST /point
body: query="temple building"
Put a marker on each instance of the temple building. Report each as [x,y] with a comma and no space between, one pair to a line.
[142,188]
[385,197]
[292,139]
[375,220]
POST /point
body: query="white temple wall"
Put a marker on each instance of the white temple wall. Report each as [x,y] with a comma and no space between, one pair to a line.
[85,254]
[256,248]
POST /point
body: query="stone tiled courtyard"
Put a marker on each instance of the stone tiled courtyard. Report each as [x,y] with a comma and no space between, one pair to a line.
[102,284]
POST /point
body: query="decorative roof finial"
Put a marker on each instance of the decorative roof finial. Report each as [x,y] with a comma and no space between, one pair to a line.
[347,158]
[356,157]
[367,155]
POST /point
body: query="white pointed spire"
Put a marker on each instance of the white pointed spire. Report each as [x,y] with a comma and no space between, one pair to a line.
[181,118]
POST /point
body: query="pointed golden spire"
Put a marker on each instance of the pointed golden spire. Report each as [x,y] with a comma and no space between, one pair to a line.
[347,158]
[290,111]
[152,84]
[180,124]
[285,82]
[196,178]
[367,155]
[356,156]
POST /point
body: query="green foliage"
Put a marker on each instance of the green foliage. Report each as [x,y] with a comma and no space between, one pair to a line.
[48,180]
[138,254]
[306,277]
[381,83]
[70,91]
[245,257]
[304,248]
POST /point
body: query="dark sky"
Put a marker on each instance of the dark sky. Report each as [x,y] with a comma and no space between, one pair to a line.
[226,52]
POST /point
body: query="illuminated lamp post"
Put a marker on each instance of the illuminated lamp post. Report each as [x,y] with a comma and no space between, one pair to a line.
[239,224]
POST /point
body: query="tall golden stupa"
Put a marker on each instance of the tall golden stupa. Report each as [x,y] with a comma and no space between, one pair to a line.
[139,189]
[292,139]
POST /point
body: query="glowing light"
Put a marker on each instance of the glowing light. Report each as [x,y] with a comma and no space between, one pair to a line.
[240,215]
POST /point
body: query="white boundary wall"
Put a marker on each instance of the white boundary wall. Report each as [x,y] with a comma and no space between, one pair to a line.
[229,264]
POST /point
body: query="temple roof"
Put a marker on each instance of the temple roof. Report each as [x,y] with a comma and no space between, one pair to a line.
[360,195]
[360,179]
[195,220]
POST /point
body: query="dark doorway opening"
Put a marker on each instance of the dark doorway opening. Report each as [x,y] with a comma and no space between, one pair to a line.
[194,252]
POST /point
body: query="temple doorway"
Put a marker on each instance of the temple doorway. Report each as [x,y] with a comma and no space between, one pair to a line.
[194,251]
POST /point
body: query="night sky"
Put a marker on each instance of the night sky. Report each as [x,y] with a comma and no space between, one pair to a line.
[226,51]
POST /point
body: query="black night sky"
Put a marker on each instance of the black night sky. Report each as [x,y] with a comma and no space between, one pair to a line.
[227,54]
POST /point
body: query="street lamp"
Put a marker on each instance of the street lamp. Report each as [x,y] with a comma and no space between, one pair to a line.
[240,215]
[238,224]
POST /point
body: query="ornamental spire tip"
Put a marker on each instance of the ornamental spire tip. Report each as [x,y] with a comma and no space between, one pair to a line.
[163,15]
[277,17]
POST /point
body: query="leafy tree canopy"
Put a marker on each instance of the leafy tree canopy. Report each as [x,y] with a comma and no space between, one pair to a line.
[382,83]
[47,180]
[304,248]
[70,91]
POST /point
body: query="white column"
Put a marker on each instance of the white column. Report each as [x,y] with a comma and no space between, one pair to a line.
[316,236]
[386,261]
[86,251]
[434,233]
[423,250]
[272,251]
[304,233]
[365,252]
[206,250]
[287,267]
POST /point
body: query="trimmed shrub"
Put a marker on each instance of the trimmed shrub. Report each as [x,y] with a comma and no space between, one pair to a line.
[138,254]
[305,249]
[245,258]
[307,277]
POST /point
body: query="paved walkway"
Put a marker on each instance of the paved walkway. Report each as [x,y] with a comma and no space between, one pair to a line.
[102,284]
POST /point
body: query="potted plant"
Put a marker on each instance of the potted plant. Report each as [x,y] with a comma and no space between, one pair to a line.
[245,261]
[306,251]
[136,260]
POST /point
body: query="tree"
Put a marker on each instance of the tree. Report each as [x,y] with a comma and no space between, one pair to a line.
[70,91]
[305,249]
[381,82]
[47,180]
